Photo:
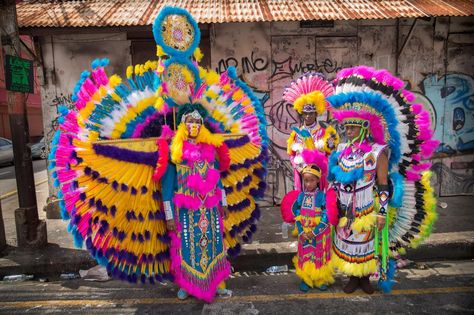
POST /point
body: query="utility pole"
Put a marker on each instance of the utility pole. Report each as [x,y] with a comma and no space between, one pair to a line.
[31,232]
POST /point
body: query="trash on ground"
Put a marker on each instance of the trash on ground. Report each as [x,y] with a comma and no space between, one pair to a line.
[275,269]
[17,278]
[96,273]
[68,276]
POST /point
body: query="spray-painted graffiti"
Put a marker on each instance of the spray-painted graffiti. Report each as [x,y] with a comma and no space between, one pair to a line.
[453,182]
[451,98]
[64,100]
[246,64]
[288,68]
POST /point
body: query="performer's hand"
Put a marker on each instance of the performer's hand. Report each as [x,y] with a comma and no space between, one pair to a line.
[309,236]
[380,222]
[225,212]
[170,225]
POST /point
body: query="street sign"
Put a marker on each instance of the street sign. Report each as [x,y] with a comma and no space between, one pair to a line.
[18,74]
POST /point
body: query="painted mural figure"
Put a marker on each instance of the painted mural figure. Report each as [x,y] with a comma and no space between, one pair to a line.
[384,195]
[308,96]
[159,173]
[313,210]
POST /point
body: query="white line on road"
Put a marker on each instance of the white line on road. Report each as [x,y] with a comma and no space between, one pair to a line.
[3,173]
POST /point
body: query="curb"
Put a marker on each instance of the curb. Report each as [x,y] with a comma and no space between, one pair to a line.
[54,260]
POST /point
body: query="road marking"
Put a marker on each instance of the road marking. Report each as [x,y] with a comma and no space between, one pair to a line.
[246,298]
[3,173]
[13,192]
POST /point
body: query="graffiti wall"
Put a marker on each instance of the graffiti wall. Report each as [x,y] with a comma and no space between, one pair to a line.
[269,55]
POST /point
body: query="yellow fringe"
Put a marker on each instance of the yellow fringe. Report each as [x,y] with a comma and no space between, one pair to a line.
[198,54]
[312,276]
[290,141]
[364,223]
[354,269]
[330,131]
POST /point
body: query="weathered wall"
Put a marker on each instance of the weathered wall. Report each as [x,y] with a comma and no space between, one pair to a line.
[269,55]
[64,58]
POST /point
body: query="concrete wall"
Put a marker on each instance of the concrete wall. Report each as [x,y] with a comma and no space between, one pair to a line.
[436,63]
[269,55]
[64,58]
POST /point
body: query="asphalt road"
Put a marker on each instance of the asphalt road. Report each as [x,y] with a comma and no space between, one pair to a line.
[430,288]
[8,180]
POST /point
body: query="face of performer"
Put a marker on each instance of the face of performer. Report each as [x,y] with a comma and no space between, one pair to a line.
[352,132]
[193,125]
[309,118]
[310,182]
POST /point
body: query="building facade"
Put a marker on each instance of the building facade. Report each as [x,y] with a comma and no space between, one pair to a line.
[432,55]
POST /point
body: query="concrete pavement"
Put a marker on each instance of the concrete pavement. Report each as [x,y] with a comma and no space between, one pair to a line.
[425,288]
[453,238]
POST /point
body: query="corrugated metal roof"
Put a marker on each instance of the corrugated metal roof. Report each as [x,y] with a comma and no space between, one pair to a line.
[89,13]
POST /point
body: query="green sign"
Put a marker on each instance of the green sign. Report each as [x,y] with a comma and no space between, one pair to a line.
[18,74]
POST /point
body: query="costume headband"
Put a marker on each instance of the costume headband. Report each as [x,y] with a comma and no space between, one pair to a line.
[194,114]
[309,108]
[356,121]
[312,169]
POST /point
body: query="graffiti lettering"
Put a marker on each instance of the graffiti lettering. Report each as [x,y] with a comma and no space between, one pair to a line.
[247,64]
[286,69]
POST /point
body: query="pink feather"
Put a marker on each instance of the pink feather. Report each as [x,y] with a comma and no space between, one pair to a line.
[286,207]
[331,207]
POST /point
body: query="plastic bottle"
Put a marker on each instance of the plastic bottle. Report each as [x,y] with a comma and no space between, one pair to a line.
[17,278]
[68,276]
[275,269]
[284,230]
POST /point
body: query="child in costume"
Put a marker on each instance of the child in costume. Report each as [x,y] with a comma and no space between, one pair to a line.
[308,95]
[309,209]
[384,196]
[195,204]
[113,149]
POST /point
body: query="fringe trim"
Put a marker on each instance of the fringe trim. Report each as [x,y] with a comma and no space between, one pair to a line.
[312,276]
[353,269]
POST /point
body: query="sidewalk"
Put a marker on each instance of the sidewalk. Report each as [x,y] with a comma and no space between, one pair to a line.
[452,238]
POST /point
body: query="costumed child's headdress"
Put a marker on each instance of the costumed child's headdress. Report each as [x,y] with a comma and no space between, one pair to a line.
[316,163]
[308,93]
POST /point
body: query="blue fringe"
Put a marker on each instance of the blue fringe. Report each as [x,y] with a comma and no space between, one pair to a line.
[396,199]
[333,160]
[346,177]
[386,286]
[159,39]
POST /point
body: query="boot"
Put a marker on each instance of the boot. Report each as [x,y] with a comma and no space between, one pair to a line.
[366,286]
[352,285]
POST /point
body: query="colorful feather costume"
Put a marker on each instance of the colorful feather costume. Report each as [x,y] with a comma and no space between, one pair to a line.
[114,152]
[308,95]
[376,101]
[313,212]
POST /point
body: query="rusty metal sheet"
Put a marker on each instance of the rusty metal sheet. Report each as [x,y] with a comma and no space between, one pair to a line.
[114,13]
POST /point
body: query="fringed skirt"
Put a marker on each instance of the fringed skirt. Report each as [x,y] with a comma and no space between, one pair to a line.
[312,261]
[198,256]
[353,252]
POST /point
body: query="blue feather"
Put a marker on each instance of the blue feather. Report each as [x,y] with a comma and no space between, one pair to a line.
[396,199]
[157,24]
[387,284]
